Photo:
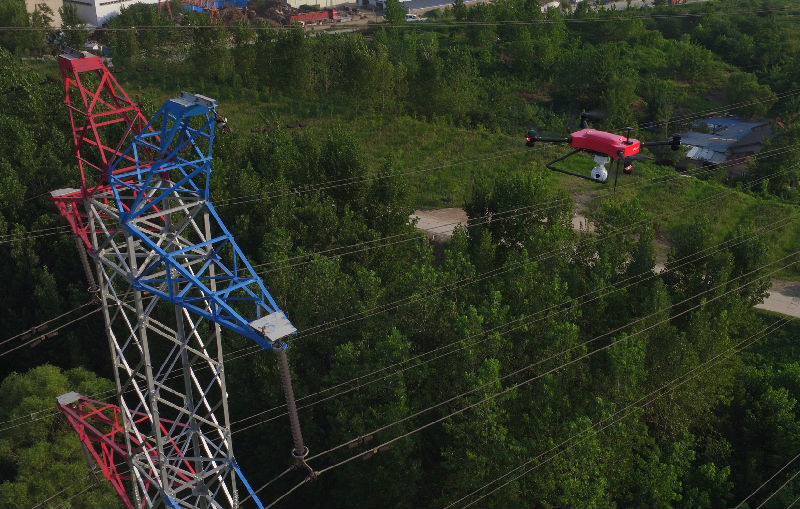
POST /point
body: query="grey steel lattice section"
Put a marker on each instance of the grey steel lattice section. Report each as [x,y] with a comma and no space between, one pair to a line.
[168,363]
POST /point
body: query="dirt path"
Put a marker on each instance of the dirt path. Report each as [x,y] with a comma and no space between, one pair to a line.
[784,297]
[440,223]
[579,221]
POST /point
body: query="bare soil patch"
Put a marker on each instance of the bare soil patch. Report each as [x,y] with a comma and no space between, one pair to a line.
[440,223]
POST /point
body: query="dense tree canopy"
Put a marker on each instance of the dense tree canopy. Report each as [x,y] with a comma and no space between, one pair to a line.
[520,340]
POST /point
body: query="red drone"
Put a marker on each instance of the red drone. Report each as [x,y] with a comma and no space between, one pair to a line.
[604,147]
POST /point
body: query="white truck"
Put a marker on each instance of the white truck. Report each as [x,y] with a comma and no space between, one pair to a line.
[414,18]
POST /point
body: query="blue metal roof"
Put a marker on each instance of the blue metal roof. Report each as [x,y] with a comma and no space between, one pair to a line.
[724,132]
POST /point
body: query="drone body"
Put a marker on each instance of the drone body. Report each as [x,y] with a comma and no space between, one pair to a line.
[601,142]
[604,146]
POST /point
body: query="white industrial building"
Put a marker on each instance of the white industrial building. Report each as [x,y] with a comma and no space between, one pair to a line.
[97,12]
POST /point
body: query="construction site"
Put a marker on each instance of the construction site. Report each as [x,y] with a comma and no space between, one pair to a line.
[229,12]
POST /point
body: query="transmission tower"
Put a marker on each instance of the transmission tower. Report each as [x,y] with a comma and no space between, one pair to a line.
[169,276]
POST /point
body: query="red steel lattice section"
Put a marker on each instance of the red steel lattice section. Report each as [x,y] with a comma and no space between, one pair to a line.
[99,427]
[100,430]
[104,120]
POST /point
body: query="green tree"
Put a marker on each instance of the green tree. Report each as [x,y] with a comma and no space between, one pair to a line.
[394,13]
[14,14]
[501,200]
[763,426]
[357,414]
[75,33]
[388,205]
[478,445]
[782,173]
[459,10]
[744,88]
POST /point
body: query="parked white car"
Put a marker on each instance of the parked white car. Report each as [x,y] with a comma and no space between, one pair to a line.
[414,17]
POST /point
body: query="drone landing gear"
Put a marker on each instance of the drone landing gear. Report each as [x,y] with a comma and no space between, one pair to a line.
[599,173]
[550,166]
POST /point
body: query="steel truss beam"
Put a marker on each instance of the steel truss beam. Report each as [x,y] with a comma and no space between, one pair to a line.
[170,276]
[100,112]
[168,361]
[99,428]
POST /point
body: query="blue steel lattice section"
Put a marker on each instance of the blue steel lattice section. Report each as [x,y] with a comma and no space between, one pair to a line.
[203,273]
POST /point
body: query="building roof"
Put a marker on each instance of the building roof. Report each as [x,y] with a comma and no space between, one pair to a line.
[427,4]
[725,135]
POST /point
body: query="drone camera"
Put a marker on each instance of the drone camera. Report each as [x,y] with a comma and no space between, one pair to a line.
[599,172]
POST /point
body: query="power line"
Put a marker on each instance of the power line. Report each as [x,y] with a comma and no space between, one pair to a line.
[619,231]
[321,453]
[725,108]
[42,326]
[787,10]
[408,360]
[250,350]
[95,484]
[486,219]
[277,477]
[339,322]
[296,190]
[390,175]
[766,482]
[465,343]
[41,504]
[638,403]
[286,494]
[332,184]
[50,333]
[779,489]
[303,189]
[524,382]
[22,234]
[26,200]
[557,368]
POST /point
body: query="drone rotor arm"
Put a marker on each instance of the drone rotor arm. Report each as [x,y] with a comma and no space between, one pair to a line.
[675,142]
[531,138]
[552,140]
